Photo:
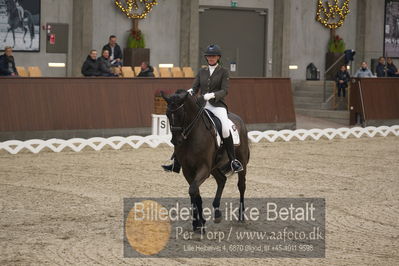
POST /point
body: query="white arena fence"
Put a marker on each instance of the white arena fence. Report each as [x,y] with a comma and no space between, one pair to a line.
[153,141]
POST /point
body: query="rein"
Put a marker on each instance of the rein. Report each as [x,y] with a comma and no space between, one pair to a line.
[186,131]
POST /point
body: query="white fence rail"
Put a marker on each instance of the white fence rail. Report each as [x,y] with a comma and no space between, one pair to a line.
[153,141]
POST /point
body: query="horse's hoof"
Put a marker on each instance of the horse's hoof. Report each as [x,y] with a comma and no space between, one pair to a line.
[198,233]
[196,236]
[217,220]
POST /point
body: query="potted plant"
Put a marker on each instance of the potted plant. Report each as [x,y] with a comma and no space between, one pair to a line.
[135,52]
[336,48]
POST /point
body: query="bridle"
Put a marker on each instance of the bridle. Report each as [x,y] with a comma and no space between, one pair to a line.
[185,131]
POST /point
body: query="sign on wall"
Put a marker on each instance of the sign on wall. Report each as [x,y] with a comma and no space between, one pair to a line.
[20,25]
[391,40]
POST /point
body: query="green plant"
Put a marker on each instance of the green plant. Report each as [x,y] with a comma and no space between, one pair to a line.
[337,45]
[136,39]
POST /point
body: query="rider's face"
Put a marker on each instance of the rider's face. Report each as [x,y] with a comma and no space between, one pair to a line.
[212,59]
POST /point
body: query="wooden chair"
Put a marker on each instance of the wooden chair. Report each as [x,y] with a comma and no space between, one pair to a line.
[137,70]
[34,71]
[165,72]
[22,71]
[188,72]
[127,72]
[156,72]
[177,73]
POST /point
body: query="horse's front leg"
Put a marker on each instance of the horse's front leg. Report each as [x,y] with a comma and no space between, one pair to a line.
[5,38]
[196,200]
[221,181]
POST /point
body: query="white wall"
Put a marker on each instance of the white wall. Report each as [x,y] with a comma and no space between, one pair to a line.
[374,39]
[309,38]
[264,4]
[161,29]
[55,11]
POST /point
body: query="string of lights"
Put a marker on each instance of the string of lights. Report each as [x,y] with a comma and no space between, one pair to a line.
[333,14]
[132,6]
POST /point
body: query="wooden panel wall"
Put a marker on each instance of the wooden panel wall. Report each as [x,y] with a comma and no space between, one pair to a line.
[28,104]
[380,99]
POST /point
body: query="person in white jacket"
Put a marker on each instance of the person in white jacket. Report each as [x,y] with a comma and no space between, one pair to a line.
[364,72]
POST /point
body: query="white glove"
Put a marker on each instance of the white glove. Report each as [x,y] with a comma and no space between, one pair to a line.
[191,91]
[209,96]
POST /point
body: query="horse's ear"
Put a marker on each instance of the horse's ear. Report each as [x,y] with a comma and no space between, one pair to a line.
[165,97]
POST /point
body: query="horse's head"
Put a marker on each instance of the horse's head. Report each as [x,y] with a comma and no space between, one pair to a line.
[178,113]
[11,5]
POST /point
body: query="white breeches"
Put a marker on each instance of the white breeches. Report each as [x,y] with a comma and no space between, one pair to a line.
[220,113]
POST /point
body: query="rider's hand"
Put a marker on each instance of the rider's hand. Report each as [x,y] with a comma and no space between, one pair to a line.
[209,96]
[191,91]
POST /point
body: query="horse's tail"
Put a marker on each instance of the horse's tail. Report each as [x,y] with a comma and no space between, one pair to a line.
[31,24]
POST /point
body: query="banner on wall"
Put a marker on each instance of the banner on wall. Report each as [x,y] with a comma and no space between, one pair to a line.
[20,25]
[391,40]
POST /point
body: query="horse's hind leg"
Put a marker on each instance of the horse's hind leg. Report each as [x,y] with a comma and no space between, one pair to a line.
[31,40]
[241,187]
[25,31]
[221,181]
[13,37]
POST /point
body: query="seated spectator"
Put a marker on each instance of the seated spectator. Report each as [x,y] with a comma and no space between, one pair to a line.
[104,65]
[146,70]
[115,51]
[7,63]
[364,72]
[380,69]
[392,70]
[342,80]
[90,66]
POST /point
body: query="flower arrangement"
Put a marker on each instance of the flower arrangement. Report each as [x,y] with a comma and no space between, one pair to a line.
[336,45]
[136,39]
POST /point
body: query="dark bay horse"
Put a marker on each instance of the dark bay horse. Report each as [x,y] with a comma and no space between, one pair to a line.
[198,153]
[15,22]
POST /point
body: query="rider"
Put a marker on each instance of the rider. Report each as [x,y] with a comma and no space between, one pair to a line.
[213,82]
[20,11]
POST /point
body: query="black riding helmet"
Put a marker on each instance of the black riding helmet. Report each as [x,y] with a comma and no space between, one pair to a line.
[213,49]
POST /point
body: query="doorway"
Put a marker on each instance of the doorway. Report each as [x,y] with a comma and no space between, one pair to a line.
[241,33]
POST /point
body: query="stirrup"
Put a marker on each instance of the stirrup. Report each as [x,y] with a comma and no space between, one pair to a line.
[236,166]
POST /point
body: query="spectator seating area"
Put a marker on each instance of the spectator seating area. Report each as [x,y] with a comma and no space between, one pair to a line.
[174,72]
[32,71]
[126,72]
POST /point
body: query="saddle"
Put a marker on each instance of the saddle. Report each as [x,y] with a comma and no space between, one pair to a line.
[217,127]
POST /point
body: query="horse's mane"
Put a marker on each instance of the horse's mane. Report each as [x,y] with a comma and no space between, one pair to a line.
[180,91]
[177,96]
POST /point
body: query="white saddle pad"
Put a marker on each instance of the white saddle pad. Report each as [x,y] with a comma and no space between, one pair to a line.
[234,133]
[233,130]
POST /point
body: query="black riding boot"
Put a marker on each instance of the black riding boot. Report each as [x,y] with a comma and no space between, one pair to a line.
[235,164]
[174,167]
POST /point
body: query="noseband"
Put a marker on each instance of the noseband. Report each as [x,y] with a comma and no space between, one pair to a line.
[185,131]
